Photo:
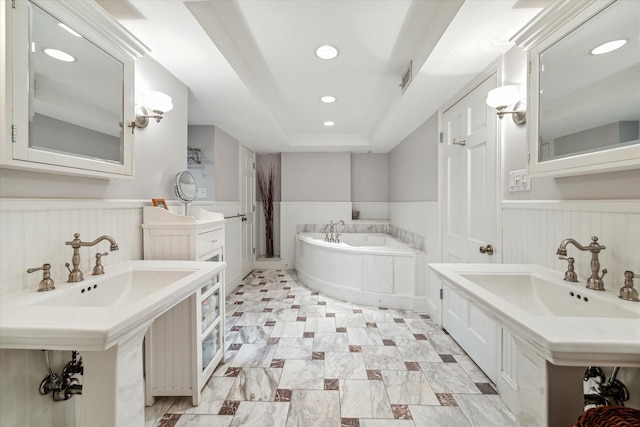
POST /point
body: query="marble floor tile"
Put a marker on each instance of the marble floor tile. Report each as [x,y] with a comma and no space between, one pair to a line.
[217,388]
[254,356]
[395,331]
[472,370]
[294,348]
[403,313]
[249,335]
[485,410]
[408,387]
[204,421]
[417,351]
[314,408]
[448,378]
[422,326]
[274,303]
[344,366]
[261,414]
[302,374]
[381,316]
[312,311]
[252,319]
[305,299]
[284,314]
[366,422]
[439,416]
[350,320]
[320,324]
[383,358]
[255,384]
[444,344]
[364,399]
[335,342]
[288,330]
[153,414]
[364,336]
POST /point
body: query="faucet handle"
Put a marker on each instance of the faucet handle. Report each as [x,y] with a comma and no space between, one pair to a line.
[570,275]
[627,292]
[98,269]
[46,284]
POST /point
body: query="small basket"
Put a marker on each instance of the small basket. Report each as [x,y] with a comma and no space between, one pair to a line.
[609,416]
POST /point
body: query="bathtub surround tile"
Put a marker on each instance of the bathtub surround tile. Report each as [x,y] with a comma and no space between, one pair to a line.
[314,408]
[364,399]
[408,387]
[483,410]
[374,383]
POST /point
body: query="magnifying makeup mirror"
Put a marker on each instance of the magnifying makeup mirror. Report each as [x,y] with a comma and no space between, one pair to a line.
[186,188]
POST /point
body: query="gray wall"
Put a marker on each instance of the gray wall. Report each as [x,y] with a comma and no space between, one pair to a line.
[369,177]
[202,137]
[226,167]
[413,165]
[610,185]
[159,153]
[316,177]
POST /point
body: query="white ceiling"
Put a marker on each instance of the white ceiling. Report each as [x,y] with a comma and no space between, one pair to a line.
[251,69]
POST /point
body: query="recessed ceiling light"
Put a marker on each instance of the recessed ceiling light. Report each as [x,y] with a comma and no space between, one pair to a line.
[608,47]
[59,55]
[329,123]
[326,52]
[328,99]
[69,29]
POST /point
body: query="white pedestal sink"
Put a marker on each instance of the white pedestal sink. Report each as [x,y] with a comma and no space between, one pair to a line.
[105,318]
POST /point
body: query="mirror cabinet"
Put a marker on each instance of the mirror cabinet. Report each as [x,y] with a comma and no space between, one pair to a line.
[584,103]
[69,89]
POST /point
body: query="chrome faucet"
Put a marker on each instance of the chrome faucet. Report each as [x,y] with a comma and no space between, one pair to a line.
[76,275]
[328,235]
[627,292]
[594,281]
[337,235]
[332,234]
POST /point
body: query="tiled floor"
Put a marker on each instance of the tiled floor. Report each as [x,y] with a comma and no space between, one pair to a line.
[297,358]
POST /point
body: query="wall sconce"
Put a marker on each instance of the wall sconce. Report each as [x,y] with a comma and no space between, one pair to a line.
[500,98]
[156,102]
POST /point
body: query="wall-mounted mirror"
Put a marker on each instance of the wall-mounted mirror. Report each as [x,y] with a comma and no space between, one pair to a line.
[186,188]
[72,81]
[585,99]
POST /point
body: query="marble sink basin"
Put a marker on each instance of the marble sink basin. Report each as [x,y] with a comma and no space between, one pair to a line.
[564,322]
[100,311]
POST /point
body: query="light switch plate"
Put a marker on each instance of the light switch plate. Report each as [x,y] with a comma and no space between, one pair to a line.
[519,181]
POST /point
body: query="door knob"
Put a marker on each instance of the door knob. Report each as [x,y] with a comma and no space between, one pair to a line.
[244,218]
[486,250]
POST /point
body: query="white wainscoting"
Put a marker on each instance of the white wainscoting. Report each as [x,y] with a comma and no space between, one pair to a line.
[533,230]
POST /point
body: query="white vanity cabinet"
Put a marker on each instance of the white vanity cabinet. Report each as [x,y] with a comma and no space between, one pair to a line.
[179,363]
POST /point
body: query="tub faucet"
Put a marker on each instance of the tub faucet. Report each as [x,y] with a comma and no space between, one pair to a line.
[328,235]
[76,275]
[337,235]
[594,281]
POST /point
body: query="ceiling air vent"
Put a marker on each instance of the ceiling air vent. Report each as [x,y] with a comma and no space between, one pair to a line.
[406,78]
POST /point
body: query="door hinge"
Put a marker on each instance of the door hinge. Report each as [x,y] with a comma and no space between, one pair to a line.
[14,133]
[528,157]
[441,293]
[254,208]
[254,251]
[254,165]
[13,4]
[529,67]
[441,137]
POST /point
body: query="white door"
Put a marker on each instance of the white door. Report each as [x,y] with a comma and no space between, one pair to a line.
[247,208]
[469,179]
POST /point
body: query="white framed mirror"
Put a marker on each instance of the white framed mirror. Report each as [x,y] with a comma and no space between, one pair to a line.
[72,89]
[585,105]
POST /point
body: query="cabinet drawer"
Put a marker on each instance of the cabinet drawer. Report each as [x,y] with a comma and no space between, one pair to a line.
[208,241]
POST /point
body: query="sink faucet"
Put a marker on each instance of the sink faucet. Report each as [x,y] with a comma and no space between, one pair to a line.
[76,275]
[594,281]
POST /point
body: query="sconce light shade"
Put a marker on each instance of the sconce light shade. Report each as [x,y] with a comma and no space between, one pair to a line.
[502,97]
[154,101]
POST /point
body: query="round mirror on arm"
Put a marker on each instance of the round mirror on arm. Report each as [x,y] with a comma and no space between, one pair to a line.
[186,188]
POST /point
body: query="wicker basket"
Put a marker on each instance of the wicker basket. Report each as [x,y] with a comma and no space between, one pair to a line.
[609,416]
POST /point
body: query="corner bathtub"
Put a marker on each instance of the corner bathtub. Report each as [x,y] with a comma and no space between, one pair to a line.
[369,269]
